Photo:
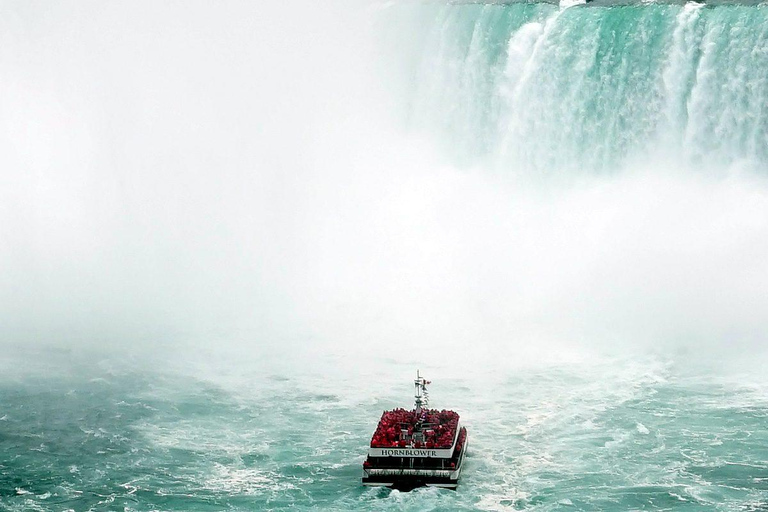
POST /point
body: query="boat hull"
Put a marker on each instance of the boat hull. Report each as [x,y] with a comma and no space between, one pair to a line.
[410,483]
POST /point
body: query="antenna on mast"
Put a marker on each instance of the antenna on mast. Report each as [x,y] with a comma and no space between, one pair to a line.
[422,395]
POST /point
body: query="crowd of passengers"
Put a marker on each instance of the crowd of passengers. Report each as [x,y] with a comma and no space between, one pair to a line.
[396,429]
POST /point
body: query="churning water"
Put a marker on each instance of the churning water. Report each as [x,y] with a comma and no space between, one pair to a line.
[269,432]
[231,239]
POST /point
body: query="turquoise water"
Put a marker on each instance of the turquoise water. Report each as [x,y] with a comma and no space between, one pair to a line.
[92,432]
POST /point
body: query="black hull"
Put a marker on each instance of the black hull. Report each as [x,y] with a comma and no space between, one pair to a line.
[406,484]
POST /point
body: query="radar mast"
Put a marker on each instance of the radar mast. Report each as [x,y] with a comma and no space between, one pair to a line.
[422,395]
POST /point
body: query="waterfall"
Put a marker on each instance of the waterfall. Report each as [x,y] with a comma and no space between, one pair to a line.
[536,88]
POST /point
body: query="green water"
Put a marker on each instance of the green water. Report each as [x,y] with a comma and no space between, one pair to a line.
[85,432]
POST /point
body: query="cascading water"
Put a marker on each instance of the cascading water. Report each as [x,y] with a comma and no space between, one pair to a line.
[535,88]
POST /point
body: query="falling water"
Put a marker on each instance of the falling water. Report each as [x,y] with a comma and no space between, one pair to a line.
[533,88]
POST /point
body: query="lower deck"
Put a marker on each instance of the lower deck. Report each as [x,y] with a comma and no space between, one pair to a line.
[409,473]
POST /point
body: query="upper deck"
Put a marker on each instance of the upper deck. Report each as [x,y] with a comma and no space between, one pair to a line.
[425,433]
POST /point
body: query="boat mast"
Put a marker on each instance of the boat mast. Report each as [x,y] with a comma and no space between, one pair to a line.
[422,395]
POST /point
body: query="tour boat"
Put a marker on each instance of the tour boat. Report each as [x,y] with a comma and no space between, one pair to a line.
[421,447]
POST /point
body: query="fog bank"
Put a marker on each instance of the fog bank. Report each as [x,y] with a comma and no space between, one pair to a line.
[243,173]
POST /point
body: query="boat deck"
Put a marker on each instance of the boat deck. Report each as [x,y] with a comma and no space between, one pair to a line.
[400,428]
